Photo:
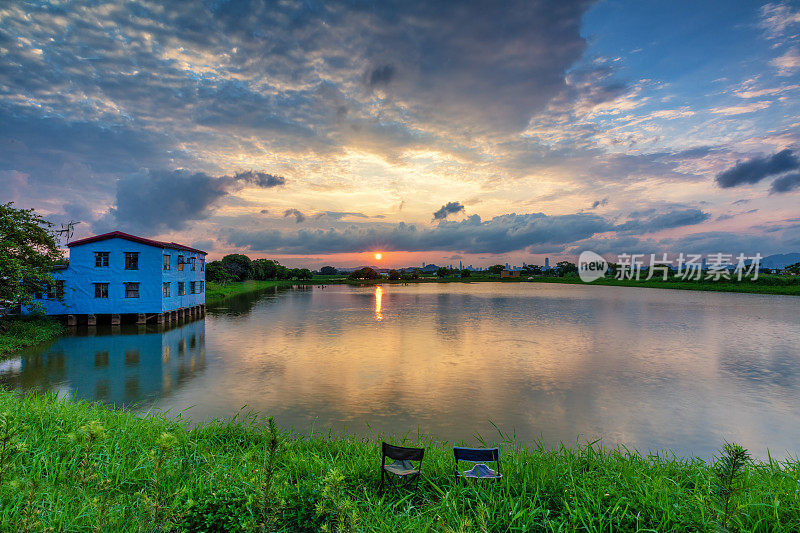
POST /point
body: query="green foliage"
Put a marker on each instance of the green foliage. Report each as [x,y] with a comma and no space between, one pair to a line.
[793,269]
[216,273]
[19,332]
[465,273]
[28,251]
[301,273]
[364,273]
[531,270]
[496,269]
[565,267]
[442,272]
[243,476]
[328,271]
[239,266]
[221,510]
[730,478]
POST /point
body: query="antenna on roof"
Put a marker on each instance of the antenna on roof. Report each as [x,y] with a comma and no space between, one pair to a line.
[67,230]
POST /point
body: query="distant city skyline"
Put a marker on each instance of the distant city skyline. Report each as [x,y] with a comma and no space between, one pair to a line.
[448,132]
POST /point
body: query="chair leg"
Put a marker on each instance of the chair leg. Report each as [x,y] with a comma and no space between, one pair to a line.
[380,490]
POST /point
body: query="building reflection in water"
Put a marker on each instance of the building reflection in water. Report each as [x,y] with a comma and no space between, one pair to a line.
[119,367]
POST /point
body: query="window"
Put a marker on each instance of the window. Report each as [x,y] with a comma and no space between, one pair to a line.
[192,286]
[166,289]
[131,290]
[48,291]
[202,286]
[180,262]
[131,260]
[192,262]
[101,290]
[202,264]
[60,289]
[166,262]
[181,288]
[101,259]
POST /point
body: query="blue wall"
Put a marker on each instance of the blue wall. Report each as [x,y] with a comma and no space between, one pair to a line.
[81,275]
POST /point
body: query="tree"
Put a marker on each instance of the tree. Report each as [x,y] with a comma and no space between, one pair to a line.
[531,270]
[442,272]
[565,267]
[264,269]
[793,269]
[496,269]
[364,273]
[328,271]
[300,273]
[394,275]
[216,272]
[465,273]
[239,266]
[28,251]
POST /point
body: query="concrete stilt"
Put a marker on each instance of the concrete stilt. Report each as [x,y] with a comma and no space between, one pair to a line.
[91,320]
[72,320]
[115,320]
[141,319]
[160,318]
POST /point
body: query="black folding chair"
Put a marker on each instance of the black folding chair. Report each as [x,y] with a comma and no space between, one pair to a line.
[402,467]
[478,455]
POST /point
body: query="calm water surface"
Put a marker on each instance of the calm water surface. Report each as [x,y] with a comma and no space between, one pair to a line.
[648,368]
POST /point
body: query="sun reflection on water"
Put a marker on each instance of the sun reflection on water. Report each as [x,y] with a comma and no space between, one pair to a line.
[378,302]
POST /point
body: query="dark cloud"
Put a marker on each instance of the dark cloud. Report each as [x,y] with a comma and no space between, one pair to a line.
[381,75]
[758,168]
[260,179]
[264,211]
[298,216]
[653,223]
[500,234]
[599,203]
[158,201]
[450,208]
[786,183]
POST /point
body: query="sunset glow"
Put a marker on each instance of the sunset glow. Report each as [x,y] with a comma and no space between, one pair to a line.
[378,256]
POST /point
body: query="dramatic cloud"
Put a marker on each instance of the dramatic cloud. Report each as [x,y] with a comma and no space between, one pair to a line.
[500,234]
[298,216]
[758,168]
[157,201]
[786,183]
[673,219]
[450,208]
[260,179]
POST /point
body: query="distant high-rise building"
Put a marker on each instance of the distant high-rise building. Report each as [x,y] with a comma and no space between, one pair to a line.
[506,266]
[423,264]
[459,266]
[547,263]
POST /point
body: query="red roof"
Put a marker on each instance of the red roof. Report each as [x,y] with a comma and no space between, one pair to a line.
[134,238]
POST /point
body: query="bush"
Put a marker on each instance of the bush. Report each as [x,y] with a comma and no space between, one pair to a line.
[226,509]
[364,273]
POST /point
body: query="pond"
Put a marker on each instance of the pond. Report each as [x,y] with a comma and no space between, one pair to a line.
[651,369]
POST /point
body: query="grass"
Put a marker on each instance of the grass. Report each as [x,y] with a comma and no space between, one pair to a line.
[19,332]
[73,466]
[216,292]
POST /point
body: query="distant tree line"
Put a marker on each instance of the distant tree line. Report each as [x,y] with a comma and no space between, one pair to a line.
[239,267]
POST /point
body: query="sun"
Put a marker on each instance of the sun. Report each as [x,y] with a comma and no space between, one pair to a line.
[378,256]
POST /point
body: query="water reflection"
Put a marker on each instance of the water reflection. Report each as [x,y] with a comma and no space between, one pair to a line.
[378,303]
[119,366]
[651,369]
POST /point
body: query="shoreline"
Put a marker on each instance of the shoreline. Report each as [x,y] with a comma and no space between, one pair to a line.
[79,466]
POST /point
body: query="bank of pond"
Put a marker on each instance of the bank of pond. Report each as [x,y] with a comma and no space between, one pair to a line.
[74,466]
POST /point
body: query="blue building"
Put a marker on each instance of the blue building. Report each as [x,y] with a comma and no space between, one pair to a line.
[120,274]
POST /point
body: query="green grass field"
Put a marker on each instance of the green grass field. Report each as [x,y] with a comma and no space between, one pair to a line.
[68,466]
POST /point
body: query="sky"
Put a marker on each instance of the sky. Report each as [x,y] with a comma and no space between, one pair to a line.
[482,132]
